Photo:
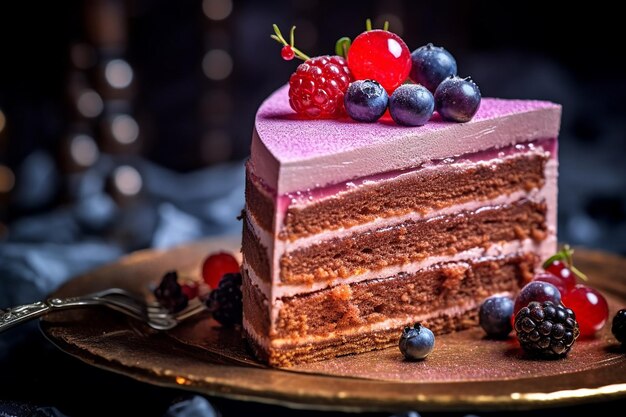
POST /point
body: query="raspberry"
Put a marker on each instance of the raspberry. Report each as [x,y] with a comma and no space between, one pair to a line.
[317,87]
[546,329]
[225,302]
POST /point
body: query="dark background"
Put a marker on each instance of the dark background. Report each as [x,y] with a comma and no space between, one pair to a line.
[187,121]
[192,112]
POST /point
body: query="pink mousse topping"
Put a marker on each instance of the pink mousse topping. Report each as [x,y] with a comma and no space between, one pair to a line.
[291,154]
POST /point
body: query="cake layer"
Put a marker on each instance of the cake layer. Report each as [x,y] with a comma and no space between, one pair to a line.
[254,253]
[291,154]
[429,190]
[419,191]
[349,318]
[357,342]
[413,241]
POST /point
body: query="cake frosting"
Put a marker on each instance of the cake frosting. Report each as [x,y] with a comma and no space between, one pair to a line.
[291,154]
[352,231]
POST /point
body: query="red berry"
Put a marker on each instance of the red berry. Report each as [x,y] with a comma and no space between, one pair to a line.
[552,279]
[216,265]
[287,53]
[382,56]
[560,270]
[190,290]
[317,87]
[591,308]
[536,291]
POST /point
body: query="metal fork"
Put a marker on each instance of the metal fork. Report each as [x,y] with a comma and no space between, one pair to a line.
[153,314]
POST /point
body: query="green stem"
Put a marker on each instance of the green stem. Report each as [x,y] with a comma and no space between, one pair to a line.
[278,37]
[368,25]
[386,26]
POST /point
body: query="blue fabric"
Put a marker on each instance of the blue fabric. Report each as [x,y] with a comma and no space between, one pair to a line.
[45,250]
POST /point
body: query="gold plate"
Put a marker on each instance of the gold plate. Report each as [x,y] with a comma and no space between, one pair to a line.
[466,371]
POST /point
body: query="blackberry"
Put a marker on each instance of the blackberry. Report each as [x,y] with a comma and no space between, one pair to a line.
[546,329]
[170,294]
[619,326]
[225,302]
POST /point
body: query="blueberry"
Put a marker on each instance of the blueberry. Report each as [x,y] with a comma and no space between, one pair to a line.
[411,105]
[431,65]
[365,100]
[495,316]
[416,342]
[457,99]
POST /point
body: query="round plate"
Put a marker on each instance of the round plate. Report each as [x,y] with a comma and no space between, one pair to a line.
[465,370]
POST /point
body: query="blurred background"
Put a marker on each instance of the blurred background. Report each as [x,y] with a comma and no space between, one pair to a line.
[124,123]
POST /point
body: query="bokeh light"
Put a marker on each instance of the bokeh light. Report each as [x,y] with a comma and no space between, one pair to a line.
[118,73]
[89,103]
[217,64]
[83,150]
[7,179]
[217,9]
[124,129]
[127,180]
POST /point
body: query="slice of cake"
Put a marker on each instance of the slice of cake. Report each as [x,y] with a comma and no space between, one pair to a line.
[353,231]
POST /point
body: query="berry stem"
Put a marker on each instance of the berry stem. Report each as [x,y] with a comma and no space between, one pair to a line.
[368,25]
[386,26]
[278,37]
[565,255]
[342,46]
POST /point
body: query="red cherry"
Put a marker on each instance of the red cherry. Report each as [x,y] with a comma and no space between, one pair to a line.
[552,279]
[216,265]
[287,53]
[560,270]
[591,308]
[190,290]
[382,56]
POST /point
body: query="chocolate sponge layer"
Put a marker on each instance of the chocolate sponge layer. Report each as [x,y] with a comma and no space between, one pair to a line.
[447,292]
[414,241]
[420,192]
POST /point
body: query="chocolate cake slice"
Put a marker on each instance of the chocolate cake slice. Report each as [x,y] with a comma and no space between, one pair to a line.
[353,231]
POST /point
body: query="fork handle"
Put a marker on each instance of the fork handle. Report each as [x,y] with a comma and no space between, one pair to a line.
[20,314]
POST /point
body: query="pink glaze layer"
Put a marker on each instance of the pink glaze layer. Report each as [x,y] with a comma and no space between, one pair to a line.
[291,154]
[493,155]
